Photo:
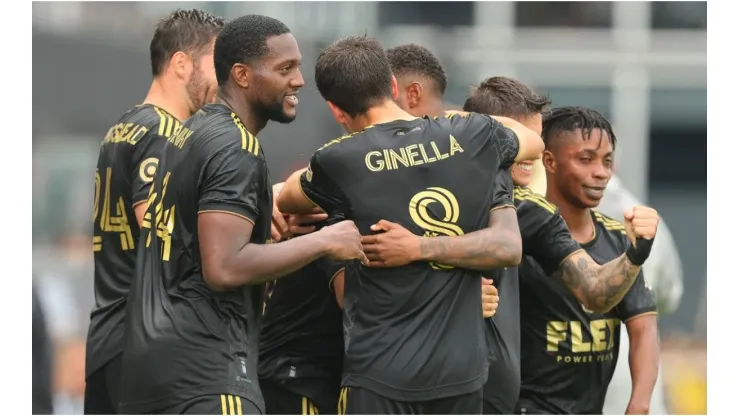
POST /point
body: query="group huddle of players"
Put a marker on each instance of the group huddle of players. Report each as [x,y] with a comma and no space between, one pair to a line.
[379,290]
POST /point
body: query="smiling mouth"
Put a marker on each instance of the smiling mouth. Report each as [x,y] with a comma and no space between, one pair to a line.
[292,99]
[526,167]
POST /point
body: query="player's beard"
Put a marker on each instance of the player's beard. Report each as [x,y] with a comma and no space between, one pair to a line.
[198,91]
[276,112]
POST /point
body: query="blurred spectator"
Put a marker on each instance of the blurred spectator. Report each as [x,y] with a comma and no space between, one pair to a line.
[65,291]
[664,272]
[41,348]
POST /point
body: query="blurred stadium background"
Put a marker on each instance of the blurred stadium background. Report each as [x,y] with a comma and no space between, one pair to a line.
[643,64]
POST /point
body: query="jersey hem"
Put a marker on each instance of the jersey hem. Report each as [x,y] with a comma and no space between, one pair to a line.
[403,395]
[145,406]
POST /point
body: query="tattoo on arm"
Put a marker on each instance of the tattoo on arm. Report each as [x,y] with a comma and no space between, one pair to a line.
[599,287]
[499,245]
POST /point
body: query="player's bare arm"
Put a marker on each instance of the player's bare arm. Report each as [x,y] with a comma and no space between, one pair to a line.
[230,260]
[292,200]
[644,356]
[499,245]
[601,287]
[530,143]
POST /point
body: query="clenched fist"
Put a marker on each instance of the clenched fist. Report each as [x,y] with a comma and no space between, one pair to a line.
[344,241]
[641,222]
[489,297]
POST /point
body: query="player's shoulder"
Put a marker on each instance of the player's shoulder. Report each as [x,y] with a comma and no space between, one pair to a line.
[155,119]
[526,199]
[216,128]
[341,145]
[610,228]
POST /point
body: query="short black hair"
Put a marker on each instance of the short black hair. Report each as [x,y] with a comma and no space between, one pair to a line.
[570,119]
[503,96]
[353,73]
[184,30]
[418,60]
[244,40]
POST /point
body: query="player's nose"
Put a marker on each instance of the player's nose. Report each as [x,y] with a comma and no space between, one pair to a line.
[297,81]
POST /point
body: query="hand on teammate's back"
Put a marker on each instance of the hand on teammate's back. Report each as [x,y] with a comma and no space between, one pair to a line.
[344,241]
[393,246]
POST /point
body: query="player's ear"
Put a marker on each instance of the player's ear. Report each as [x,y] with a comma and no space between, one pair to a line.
[339,115]
[548,161]
[241,74]
[394,86]
[181,64]
[413,94]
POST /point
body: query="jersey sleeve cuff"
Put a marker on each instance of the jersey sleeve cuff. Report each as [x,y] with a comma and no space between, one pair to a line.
[639,314]
[503,204]
[240,210]
[331,281]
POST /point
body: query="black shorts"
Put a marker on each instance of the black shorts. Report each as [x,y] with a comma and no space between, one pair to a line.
[102,389]
[359,401]
[281,401]
[212,404]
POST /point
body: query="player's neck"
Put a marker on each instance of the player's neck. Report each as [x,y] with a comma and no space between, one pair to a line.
[239,105]
[433,108]
[168,99]
[383,113]
[579,221]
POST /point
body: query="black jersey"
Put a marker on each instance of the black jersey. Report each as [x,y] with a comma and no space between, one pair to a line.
[184,339]
[568,352]
[546,238]
[414,333]
[301,344]
[127,161]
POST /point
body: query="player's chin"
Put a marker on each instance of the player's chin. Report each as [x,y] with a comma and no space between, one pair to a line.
[287,115]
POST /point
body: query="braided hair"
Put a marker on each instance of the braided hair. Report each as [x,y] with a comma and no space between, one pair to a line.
[570,119]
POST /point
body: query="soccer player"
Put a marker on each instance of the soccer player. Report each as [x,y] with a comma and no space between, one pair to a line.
[184,80]
[569,351]
[414,339]
[544,234]
[301,343]
[193,314]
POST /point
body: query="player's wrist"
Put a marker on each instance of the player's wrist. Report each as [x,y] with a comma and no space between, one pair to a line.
[639,252]
[417,252]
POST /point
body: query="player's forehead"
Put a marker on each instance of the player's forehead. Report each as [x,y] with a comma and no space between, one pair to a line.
[580,140]
[283,49]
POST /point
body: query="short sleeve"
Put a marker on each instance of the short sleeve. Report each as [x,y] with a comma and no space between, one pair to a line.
[639,300]
[144,165]
[233,181]
[545,235]
[503,190]
[323,190]
[329,268]
[502,138]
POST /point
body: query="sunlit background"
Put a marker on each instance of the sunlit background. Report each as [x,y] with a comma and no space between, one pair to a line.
[643,65]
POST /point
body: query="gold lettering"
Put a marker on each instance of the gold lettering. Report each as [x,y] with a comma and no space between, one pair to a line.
[577,343]
[374,165]
[181,135]
[454,146]
[411,152]
[600,331]
[556,333]
[440,156]
[598,335]
[423,151]
[396,158]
